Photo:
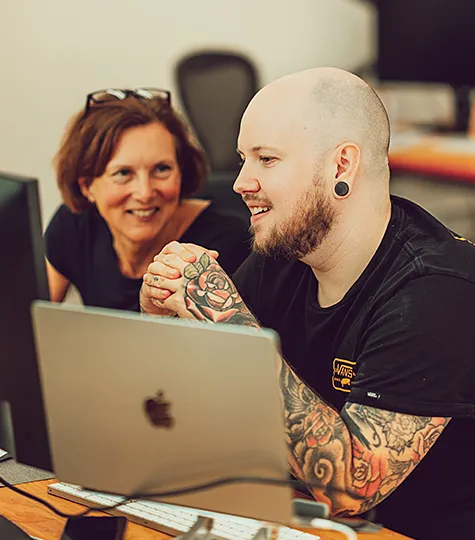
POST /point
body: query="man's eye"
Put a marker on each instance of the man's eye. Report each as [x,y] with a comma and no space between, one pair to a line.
[267,160]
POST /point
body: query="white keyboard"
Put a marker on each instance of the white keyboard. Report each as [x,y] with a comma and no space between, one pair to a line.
[172,519]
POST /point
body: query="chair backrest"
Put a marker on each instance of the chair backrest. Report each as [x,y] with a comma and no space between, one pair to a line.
[215,88]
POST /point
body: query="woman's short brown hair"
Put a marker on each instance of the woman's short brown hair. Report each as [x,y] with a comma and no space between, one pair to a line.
[92,138]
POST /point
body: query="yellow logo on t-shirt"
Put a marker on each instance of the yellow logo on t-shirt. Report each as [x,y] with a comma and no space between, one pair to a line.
[343,374]
[462,239]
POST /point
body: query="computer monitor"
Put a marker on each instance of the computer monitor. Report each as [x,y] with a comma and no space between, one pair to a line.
[429,41]
[22,280]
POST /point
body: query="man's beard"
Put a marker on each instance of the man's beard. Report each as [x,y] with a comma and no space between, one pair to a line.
[303,232]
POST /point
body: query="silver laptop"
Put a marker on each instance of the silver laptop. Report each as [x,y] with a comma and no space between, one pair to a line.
[148,404]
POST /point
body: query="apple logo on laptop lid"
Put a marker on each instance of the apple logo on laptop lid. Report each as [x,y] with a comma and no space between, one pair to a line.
[157,410]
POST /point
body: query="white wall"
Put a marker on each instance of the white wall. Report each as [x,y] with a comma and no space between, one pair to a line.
[53,52]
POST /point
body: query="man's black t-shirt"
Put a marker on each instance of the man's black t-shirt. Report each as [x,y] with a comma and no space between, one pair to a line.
[402,339]
[80,247]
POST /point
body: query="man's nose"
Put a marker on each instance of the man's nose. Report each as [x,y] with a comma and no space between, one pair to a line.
[246,182]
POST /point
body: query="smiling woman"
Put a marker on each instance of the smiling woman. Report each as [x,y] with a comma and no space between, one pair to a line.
[126,169]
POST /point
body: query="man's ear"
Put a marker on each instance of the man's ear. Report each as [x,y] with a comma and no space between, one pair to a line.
[85,185]
[347,157]
[347,162]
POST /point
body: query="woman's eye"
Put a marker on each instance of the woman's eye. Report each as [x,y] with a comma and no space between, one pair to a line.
[162,169]
[241,162]
[122,174]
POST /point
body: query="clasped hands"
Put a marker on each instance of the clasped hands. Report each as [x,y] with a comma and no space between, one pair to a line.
[186,280]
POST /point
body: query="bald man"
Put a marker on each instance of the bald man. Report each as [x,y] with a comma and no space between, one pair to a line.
[372,297]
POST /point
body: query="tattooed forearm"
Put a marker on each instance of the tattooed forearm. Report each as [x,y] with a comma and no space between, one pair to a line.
[397,443]
[211,295]
[319,442]
[355,459]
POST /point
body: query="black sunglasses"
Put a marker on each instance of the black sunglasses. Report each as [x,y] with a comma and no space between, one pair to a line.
[113,94]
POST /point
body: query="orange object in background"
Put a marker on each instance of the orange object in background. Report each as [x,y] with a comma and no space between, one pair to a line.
[471,123]
[448,156]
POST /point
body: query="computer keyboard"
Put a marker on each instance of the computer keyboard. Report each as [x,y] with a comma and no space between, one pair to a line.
[172,519]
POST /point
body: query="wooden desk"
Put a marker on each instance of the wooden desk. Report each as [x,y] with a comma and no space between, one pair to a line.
[449,157]
[38,521]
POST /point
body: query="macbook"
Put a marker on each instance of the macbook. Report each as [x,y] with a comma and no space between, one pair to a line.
[148,404]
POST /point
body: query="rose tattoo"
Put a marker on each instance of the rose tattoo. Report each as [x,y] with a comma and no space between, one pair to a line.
[211,295]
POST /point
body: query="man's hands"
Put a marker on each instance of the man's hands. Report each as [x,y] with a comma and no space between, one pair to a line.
[163,287]
[186,280]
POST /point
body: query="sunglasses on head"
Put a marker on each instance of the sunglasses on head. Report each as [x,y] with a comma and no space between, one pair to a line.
[113,94]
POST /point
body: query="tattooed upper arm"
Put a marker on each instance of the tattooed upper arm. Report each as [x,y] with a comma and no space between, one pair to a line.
[387,446]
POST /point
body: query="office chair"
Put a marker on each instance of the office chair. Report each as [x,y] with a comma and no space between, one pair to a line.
[215,88]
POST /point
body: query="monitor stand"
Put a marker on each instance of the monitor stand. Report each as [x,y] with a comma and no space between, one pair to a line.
[7,443]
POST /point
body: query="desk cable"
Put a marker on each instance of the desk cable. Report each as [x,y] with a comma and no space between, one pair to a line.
[321,522]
